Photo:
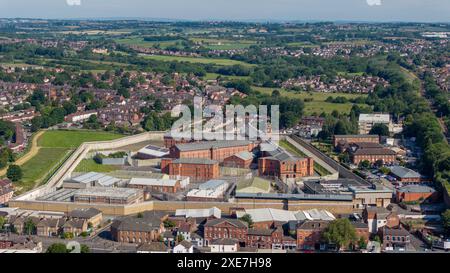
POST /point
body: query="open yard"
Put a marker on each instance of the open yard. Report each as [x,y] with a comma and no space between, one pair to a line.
[89,165]
[315,100]
[136,41]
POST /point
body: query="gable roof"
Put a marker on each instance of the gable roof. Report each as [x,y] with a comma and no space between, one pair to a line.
[403,172]
[234,222]
[84,213]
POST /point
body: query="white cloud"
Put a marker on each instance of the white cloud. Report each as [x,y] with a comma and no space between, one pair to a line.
[73,2]
[374,2]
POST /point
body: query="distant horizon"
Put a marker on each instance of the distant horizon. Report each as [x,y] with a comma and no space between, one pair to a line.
[377,11]
[223,20]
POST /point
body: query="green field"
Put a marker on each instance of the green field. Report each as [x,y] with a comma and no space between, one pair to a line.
[223,44]
[136,41]
[73,139]
[54,148]
[37,168]
[223,62]
[89,165]
[318,104]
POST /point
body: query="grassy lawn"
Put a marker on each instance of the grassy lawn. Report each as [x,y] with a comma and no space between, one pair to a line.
[54,149]
[318,104]
[223,44]
[73,139]
[223,62]
[89,165]
[36,169]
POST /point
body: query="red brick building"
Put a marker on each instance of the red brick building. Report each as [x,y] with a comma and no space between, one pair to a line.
[265,238]
[371,153]
[341,139]
[169,141]
[196,168]
[225,228]
[413,193]
[133,229]
[309,234]
[214,150]
[240,160]
[286,167]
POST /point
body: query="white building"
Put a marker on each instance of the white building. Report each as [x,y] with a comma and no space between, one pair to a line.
[367,121]
[184,247]
[209,191]
[225,245]
[199,213]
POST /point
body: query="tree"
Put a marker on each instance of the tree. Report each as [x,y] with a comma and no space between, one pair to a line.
[169,224]
[57,248]
[248,219]
[2,222]
[180,238]
[379,129]
[340,232]
[14,173]
[36,123]
[85,249]
[365,164]
[446,220]
[29,227]
[362,244]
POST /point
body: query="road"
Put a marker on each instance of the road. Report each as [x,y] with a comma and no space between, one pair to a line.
[343,172]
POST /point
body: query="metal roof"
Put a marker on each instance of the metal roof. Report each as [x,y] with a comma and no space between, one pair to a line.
[403,172]
[102,179]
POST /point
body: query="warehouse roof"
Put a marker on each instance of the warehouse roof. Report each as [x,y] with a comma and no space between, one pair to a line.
[212,184]
[403,172]
[102,179]
[153,182]
[416,189]
[253,185]
[154,151]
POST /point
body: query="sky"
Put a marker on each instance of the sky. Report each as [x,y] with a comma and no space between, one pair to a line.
[266,10]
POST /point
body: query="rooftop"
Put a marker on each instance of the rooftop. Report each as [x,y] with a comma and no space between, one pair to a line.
[199,213]
[153,182]
[102,179]
[108,192]
[403,172]
[416,189]
[202,161]
[211,145]
[253,185]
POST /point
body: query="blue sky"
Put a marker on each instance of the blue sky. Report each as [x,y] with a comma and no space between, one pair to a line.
[355,10]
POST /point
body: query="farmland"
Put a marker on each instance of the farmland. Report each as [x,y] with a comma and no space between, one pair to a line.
[222,62]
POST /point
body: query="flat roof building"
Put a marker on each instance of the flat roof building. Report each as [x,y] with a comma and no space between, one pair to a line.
[91,179]
[108,195]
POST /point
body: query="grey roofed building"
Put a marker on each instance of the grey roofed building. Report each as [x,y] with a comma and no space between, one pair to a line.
[416,189]
[235,222]
[244,155]
[84,213]
[153,247]
[211,145]
[108,192]
[212,184]
[201,161]
[403,172]
[97,179]
[337,186]
[150,221]
[300,196]
[186,244]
